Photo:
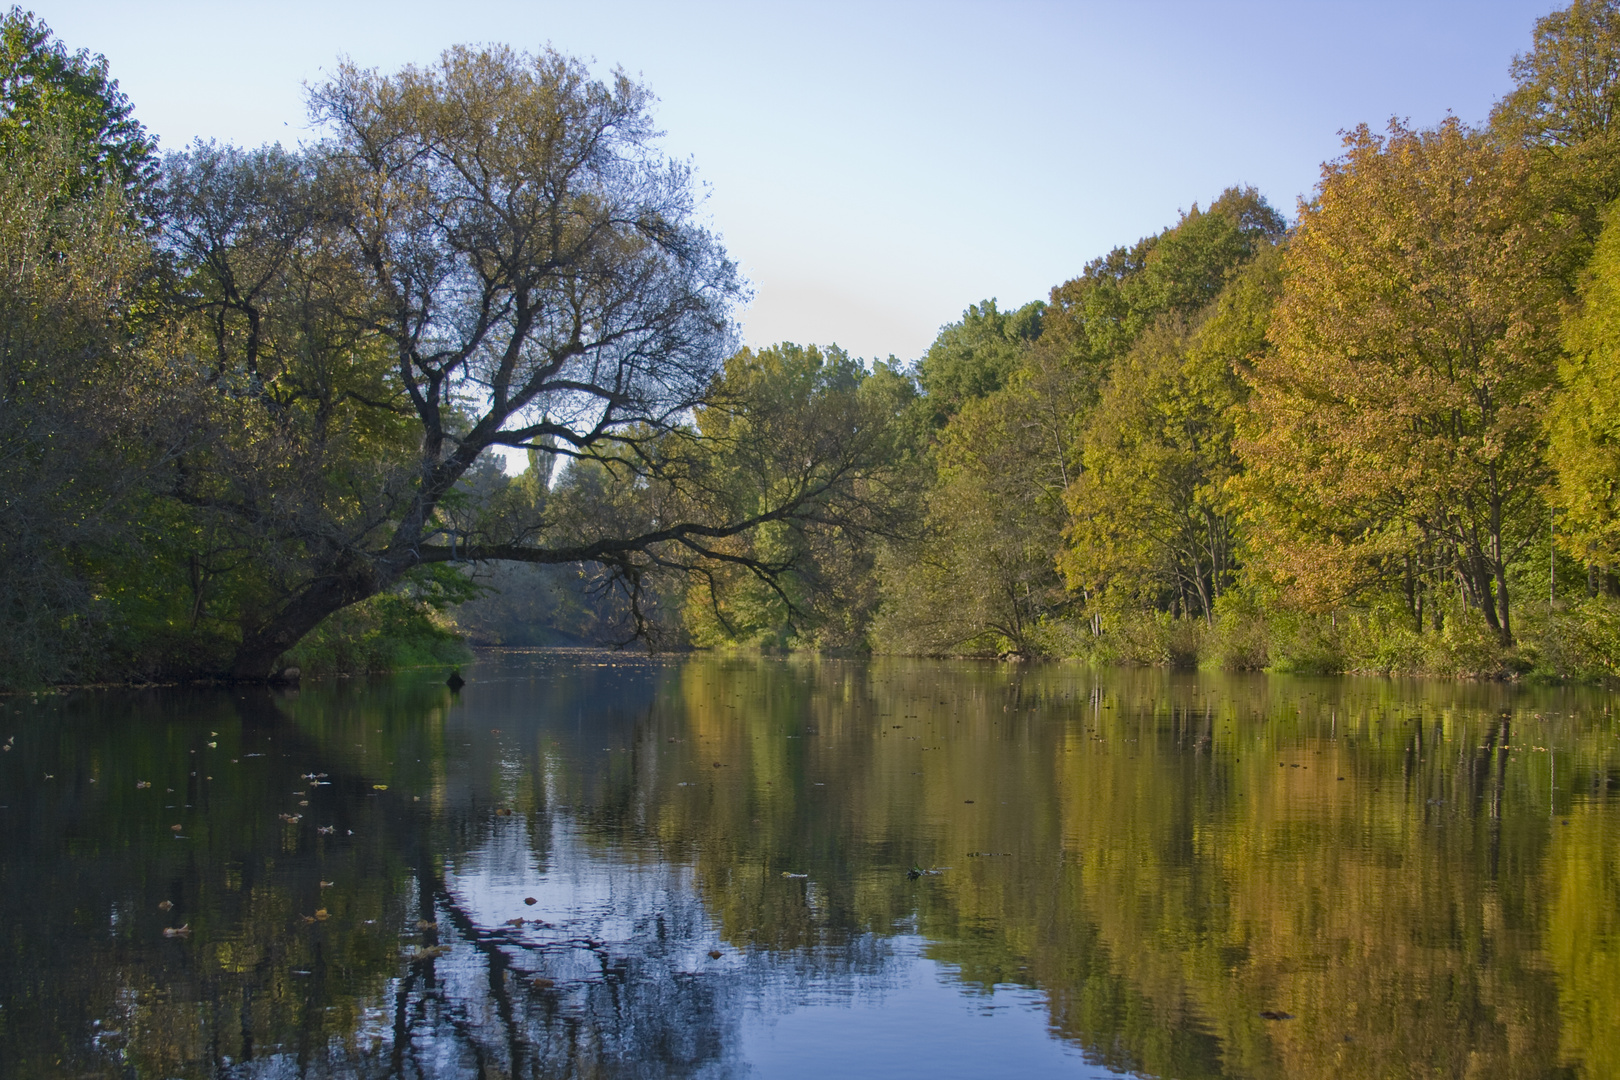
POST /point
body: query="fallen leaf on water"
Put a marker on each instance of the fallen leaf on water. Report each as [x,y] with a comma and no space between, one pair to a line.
[213,745]
[142,784]
[379,787]
[320,913]
[501,811]
[715,954]
[531,901]
[789,873]
[542,982]
[327,884]
[1272,1014]
[429,952]
[174,828]
[177,931]
[423,924]
[165,905]
[291,818]
[326,830]
[513,922]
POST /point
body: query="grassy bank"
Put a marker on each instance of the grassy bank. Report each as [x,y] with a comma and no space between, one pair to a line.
[1566,641]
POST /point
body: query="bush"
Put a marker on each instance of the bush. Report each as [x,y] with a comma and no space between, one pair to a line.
[380,634]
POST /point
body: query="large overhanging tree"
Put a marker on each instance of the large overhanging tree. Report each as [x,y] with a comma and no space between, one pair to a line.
[486,253]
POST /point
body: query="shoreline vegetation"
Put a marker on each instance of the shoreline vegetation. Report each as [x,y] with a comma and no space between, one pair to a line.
[253,402]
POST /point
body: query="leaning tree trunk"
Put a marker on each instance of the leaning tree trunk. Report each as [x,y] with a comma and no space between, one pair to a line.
[256,657]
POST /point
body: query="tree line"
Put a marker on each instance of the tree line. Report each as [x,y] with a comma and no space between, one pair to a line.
[251,397]
[252,400]
[1382,436]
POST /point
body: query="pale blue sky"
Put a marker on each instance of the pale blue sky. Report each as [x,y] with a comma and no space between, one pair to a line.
[877,167]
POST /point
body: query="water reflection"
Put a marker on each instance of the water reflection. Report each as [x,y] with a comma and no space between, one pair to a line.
[590,865]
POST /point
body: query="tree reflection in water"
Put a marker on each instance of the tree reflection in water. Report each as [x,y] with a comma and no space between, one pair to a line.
[1158,861]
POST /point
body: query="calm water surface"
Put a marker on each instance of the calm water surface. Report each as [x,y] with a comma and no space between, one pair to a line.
[589,865]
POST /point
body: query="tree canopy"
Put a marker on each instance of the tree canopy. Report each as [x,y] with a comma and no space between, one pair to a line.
[257,401]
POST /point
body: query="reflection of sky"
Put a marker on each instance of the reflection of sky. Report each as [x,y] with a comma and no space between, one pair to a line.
[874,1006]
[919,1024]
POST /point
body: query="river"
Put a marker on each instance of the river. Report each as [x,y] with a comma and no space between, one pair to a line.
[591,864]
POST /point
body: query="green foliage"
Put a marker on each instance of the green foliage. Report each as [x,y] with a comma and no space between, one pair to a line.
[383,633]
[1564,104]
[977,356]
[979,575]
[1152,521]
[49,94]
[771,437]
[1096,317]
[1584,420]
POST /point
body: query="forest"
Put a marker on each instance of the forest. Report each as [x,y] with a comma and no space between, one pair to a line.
[254,402]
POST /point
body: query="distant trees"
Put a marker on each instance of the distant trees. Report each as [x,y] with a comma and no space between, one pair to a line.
[1079,476]
[978,355]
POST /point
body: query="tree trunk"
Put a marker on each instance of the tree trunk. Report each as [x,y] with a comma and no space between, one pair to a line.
[256,657]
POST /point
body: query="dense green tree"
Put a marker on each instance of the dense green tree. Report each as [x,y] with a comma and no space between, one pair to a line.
[980,575]
[1152,522]
[1585,417]
[1096,317]
[74,412]
[780,415]
[977,355]
[48,94]
[78,437]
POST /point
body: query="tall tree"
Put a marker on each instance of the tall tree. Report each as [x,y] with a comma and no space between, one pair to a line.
[77,399]
[1152,522]
[1566,103]
[1096,317]
[485,253]
[1397,422]
[980,574]
[1584,425]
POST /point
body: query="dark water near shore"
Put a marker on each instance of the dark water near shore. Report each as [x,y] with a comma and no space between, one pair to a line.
[1171,875]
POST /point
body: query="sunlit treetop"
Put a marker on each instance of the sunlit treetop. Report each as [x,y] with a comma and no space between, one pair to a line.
[47,91]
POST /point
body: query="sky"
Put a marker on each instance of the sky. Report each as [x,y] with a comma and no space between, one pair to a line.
[876,167]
